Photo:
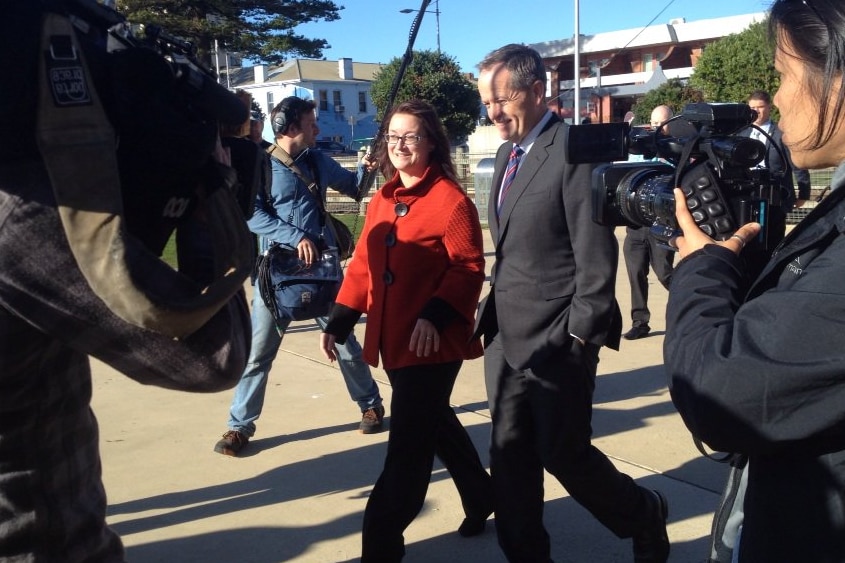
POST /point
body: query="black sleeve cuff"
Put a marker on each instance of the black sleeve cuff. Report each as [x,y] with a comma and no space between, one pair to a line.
[342,321]
[439,313]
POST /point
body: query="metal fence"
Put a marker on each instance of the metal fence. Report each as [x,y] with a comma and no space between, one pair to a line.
[820,182]
[467,164]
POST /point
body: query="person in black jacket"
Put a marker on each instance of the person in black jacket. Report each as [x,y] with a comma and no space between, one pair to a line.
[759,369]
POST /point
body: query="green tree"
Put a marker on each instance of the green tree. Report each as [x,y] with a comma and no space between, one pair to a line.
[436,78]
[261,30]
[731,68]
[673,93]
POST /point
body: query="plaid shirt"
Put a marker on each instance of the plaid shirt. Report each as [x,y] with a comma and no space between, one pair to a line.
[52,502]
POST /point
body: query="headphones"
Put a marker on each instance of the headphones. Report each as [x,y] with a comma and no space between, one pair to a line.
[281,119]
[288,112]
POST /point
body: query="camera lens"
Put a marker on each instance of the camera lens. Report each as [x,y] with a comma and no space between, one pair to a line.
[644,197]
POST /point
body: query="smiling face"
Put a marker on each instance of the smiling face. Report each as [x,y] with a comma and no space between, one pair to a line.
[409,159]
[799,111]
[514,112]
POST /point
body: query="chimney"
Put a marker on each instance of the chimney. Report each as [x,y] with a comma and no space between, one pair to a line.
[260,74]
[344,68]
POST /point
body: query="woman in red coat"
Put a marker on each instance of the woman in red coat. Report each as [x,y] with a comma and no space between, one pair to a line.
[417,273]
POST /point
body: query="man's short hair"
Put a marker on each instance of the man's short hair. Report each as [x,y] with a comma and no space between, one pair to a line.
[524,63]
[761,95]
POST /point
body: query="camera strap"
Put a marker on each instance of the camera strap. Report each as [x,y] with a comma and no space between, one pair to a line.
[78,146]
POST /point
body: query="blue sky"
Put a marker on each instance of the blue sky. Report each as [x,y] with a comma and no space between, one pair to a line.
[374,31]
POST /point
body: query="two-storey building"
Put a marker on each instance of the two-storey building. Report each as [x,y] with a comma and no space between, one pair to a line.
[341,90]
[618,67]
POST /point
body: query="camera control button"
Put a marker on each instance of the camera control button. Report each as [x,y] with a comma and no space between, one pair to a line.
[723,225]
[709,195]
[715,209]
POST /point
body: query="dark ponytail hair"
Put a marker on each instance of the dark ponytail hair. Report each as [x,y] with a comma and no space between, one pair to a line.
[815,29]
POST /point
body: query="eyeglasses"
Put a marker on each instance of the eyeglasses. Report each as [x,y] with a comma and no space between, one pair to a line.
[407,139]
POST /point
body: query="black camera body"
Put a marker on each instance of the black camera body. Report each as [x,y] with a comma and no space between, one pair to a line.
[698,151]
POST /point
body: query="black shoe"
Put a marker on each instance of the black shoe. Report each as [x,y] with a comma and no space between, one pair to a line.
[637,332]
[651,545]
[231,443]
[372,420]
[473,525]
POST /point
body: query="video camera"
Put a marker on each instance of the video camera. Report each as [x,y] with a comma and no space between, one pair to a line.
[166,110]
[698,151]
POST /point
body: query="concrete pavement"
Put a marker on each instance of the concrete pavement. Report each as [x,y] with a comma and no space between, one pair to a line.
[298,491]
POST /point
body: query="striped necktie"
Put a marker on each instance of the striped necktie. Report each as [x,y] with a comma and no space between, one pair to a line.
[510,174]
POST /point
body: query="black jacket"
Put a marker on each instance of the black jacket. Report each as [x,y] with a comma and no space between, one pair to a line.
[762,372]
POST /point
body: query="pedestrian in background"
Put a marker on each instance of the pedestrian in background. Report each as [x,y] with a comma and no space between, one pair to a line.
[642,250]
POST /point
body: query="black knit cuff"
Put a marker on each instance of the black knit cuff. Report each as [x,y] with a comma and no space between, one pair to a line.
[342,321]
[439,313]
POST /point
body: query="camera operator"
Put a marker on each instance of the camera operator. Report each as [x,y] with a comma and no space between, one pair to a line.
[761,371]
[65,295]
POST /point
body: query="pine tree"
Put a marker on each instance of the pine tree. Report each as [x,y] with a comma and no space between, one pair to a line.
[260,30]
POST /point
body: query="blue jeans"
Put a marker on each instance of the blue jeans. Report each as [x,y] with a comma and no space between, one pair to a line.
[249,394]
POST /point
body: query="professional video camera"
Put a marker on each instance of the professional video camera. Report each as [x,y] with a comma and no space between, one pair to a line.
[166,109]
[700,152]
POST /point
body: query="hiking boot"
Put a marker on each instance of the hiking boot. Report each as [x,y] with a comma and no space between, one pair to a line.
[231,443]
[372,420]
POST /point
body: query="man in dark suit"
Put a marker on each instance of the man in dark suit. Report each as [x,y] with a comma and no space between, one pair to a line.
[551,307]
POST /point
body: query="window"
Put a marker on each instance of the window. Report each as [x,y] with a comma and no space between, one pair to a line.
[362,102]
[338,102]
[324,100]
[648,61]
[270,104]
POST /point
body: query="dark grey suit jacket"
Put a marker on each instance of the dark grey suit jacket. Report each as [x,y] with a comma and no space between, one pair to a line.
[555,268]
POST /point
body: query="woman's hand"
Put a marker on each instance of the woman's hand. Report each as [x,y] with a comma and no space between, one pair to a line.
[425,339]
[695,239]
[327,345]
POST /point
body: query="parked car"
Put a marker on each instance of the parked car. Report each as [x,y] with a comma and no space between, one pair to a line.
[358,144]
[333,147]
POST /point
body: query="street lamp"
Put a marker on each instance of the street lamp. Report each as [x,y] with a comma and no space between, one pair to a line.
[436,13]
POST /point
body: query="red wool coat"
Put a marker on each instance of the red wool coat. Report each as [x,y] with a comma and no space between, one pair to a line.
[438,253]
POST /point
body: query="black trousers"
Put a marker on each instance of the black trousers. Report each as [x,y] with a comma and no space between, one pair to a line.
[422,425]
[542,420]
[641,250]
